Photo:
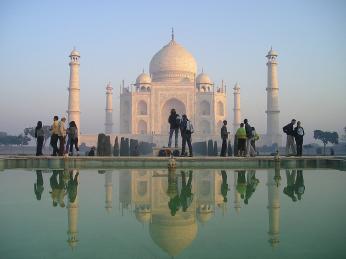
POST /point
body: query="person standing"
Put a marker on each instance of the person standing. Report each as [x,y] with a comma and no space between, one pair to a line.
[241,136]
[186,130]
[248,129]
[54,135]
[72,133]
[298,136]
[39,135]
[174,124]
[224,137]
[62,136]
[288,129]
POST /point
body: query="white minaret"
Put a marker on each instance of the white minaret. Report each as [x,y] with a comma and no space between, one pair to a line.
[73,90]
[273,183]
[72,212]
[109,109]
[237,198]
[273,133]
[109,190]
[236,109]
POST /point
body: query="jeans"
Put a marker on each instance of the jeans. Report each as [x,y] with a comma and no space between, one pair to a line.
[224,147]
[299,148]
[290,145]
[176,132]
[62,145]
[73,142]
[39,146]
[54,143]
[186,138]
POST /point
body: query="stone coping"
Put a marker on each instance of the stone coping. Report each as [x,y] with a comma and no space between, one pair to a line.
[205,162]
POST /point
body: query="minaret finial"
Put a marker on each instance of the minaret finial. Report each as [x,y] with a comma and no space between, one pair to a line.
[172,33]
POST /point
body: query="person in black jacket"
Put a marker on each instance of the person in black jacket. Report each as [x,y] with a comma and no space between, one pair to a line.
[298,136]
[249,149]
[39,135]
[174,124]
[224,137]
[288,129]
[186,130]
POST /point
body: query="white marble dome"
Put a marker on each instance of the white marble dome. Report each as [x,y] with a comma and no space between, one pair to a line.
[173,62]
[203,78]
[74,52]
[143,79]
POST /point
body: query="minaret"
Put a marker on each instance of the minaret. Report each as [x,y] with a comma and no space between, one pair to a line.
[237,198]
[74,90]
[72,211]
[109,109]
[236,109]
[109,190]
[273,133]
[273,183]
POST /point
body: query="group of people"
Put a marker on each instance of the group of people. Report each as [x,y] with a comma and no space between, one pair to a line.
[185,126]
[295,136]
[246,137]
[59,134]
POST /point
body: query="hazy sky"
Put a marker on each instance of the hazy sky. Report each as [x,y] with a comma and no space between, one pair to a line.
[117,39]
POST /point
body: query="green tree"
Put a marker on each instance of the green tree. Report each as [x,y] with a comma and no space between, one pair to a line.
[326,137]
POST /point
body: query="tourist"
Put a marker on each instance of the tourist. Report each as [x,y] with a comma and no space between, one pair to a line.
[298,136]
[72,186]
[174,124]
[224,185]
[38,186]
[290,146]
[241,136]
[186,129]
[54,135]
[224,137]
[72,133]
[251,185]
[62,136]
[185,193]
[248,129]
[299,187]
[39,135]
[289,189]
[92,151]
[254,138]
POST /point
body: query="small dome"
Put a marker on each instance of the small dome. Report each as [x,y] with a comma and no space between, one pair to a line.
[203,78]
[204,216]
[272,53]
[143,217]
[143,79]
[74,52]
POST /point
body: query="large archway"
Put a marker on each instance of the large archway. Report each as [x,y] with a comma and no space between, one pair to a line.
[142,127]
[172,103]
[204,108]
[142,108]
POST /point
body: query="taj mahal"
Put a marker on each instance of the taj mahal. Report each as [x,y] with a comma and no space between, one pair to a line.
[173,82]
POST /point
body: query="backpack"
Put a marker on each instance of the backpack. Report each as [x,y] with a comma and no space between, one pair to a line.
[189,127]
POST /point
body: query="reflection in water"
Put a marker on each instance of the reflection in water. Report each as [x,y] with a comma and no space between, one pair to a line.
[72,208]
[172,203]
[38,186]
[273,183]
[295,184]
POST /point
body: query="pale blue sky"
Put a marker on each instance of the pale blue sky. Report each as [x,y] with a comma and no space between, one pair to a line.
[117,39]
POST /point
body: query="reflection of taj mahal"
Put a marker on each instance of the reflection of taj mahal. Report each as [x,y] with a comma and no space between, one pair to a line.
[172,83]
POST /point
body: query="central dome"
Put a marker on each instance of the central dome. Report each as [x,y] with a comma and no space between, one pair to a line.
[173,62]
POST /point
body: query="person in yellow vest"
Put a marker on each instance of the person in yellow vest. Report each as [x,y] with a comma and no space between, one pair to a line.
[241,136]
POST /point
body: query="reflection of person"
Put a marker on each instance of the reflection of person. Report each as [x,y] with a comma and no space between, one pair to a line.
[72,186]
[251,185]
[58,193]
[172,192]
[241,183]
[38,186]
[185,195]
[299,187]
[224,185]
[289,189]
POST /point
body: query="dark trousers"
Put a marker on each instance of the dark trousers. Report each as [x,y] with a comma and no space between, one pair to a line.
[299,145]
[224,147]
[73,142]
[39,146]
[54,143]
[176,132]
[61,145]
[186,139]
[241,146]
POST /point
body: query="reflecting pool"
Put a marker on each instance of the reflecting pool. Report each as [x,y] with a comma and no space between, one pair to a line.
[272,213]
